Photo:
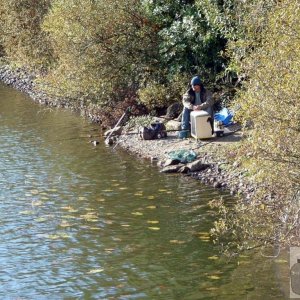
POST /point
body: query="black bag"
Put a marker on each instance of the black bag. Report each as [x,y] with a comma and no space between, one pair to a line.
[154,131]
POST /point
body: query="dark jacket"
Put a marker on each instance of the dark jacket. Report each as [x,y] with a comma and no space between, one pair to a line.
[189,97]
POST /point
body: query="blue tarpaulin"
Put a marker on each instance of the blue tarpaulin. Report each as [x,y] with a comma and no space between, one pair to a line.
[225,116]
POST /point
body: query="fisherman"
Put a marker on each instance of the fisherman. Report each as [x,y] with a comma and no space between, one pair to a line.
[197,97]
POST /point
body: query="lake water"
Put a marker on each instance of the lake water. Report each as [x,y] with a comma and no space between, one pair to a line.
[85,222]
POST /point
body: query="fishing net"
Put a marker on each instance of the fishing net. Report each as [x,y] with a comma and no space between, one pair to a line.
[184,156]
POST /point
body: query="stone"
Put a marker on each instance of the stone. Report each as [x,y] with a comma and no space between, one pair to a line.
[109,141]
[171,169]
[183,170]
[160,163]
[217,185]
[173,125]
[197,165]
[95,143]
[174,110]
[236,164]
[170,162]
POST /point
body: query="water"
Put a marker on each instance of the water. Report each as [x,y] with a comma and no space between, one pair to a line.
[85,222]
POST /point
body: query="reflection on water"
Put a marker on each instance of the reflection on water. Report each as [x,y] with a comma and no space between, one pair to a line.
[85,222]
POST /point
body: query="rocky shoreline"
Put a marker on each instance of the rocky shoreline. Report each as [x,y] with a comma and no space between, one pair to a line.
[215,157]
[215,164]
[24,81]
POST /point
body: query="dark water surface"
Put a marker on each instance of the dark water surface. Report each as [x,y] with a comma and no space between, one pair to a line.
[85,222]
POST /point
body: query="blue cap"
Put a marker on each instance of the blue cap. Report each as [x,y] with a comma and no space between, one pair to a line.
[196,81]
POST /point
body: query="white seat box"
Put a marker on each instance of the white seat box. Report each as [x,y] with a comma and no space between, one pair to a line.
[200,124]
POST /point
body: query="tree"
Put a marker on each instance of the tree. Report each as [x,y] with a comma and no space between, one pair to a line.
[271,153]
[102,48]
[21,37]
[241,23]
[187,43]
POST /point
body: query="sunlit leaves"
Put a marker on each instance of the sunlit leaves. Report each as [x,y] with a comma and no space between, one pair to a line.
[214,277]
[187,43]
[151,207]
[95,271]
[152,222]
[154,228]
[204,236]
[58,236]
[214,257]
[90,217]
[269,107]
[23,40]
[26,212]
[178,242]
[100,46]
[137,213]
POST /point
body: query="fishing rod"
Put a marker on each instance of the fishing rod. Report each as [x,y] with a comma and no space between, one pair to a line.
[170,130]
[181,130]
[118,123]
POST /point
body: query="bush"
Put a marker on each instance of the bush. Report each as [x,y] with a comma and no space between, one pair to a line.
[22,39]
[187,42]
[100,48]
[157,95]
[241,24]
[270,100]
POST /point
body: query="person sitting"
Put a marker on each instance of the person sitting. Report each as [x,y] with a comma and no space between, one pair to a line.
[197,97]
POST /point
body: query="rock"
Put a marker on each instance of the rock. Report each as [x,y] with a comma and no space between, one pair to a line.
[114,131]
[170,162]
[217,185]
[95,143]
[197,165]
[160,163]
[173,125]
[171,169]
[183,170]
[109,141]
[236,164]
[174,110]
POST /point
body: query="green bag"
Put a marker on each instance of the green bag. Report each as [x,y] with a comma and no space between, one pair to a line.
[184,156]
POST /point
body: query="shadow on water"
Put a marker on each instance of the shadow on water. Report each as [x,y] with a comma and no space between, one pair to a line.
[85,222]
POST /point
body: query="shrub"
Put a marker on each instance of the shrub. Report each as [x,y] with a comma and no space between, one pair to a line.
[101,48]
[270,100]
[22,39]
[158,95]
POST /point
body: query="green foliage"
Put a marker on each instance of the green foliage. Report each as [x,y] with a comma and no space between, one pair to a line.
[187,44]
[21,37]
[102,48]
[135,122]
[270,99]
[155,95]
[241,23]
